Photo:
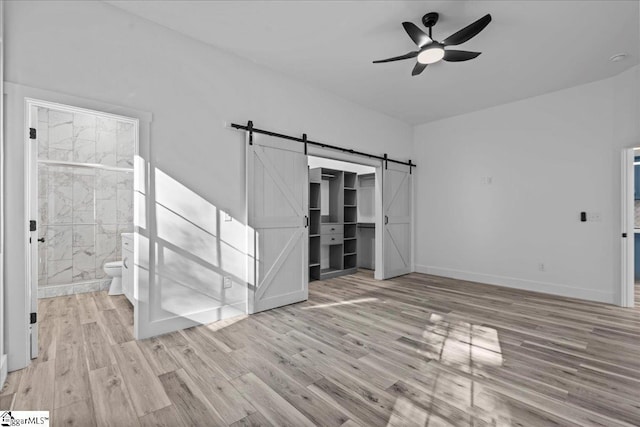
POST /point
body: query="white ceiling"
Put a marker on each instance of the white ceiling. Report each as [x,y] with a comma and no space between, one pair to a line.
[530,48]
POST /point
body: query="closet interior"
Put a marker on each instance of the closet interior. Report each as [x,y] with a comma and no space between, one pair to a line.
[336,221]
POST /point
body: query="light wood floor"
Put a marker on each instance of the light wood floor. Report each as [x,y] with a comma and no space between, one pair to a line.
[418,350]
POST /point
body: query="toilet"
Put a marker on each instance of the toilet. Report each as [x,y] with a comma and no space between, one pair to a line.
[114,270]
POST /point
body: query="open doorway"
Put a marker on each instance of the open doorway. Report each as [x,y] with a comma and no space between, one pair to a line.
[282,219]
[80,173]
[342,212]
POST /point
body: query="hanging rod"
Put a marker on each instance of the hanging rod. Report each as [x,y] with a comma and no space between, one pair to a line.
[249,127]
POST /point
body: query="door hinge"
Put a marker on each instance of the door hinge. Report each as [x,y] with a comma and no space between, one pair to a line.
[33,318]
[32,133]
[32,225]
[624,235]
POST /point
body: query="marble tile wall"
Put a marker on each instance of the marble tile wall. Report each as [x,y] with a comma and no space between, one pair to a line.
[83,210]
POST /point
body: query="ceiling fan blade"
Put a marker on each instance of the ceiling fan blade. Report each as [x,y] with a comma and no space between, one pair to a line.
[467,32]
[418,68]
[397,58]
[418,36]
[459,55]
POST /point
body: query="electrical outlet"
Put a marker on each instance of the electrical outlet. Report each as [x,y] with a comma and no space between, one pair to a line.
[541,266]
[595,217]
[227,282]
[486,180]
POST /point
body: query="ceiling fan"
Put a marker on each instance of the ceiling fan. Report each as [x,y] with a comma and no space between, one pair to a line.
[431,51]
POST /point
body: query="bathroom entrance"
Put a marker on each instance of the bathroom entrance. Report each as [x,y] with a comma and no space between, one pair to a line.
[80,204]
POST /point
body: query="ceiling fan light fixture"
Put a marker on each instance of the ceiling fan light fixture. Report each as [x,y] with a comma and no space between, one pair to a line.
[431,54]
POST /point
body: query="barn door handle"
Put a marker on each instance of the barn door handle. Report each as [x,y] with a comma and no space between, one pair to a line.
[386,220]
[306,221]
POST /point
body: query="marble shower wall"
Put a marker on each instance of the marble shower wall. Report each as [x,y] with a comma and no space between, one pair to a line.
[83,210]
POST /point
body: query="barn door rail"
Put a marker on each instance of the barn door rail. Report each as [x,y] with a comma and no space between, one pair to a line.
[304,140]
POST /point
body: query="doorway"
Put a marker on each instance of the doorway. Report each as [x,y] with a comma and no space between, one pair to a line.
[630,242]
[280,222]
[79,175]
[342,216]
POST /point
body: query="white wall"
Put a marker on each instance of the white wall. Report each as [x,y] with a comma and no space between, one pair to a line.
[3,356]
[96,51]
[549,157]
[321,162]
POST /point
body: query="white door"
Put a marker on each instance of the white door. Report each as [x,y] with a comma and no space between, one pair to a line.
[627,231]
[396,201]
[278,201]
[33,228]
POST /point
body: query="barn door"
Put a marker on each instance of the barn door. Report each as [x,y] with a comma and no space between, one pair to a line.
[397,209]
[278,201]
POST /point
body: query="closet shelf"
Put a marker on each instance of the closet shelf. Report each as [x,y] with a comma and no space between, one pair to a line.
[332,210]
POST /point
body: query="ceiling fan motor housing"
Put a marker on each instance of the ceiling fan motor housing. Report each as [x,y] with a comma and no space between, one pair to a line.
[430,19]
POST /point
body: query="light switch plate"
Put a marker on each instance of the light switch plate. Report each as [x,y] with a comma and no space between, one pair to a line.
[227,283]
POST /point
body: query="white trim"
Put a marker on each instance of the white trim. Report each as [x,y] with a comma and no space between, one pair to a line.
[524,284]
[3,356]
[3,368]
[627,246]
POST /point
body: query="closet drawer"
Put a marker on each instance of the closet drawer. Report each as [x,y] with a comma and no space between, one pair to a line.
[331,239]
[331,229]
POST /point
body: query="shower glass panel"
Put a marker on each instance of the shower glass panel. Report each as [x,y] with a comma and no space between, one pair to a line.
[85,198]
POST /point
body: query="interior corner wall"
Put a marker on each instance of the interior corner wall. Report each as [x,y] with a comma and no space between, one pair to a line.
[500,191]
[95,50]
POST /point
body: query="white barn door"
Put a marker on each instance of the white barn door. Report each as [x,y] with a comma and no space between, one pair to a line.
[397,211]
[278,240]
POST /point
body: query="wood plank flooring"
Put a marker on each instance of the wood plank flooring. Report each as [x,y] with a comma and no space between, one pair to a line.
[417,350]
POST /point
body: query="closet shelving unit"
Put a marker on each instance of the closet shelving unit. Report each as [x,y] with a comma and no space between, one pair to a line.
[315,183]
[332,228]
[350,221]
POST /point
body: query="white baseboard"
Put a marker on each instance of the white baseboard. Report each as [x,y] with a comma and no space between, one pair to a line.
[3,370]
[524,284]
